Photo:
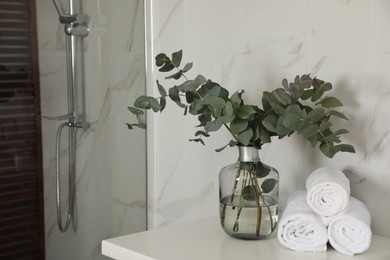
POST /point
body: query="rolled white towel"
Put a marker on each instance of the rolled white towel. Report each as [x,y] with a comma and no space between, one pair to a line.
[299,228]
[327,192]
[350,232]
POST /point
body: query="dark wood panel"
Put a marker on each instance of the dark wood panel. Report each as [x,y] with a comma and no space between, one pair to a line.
[14,16]
[14,6]
[21,184]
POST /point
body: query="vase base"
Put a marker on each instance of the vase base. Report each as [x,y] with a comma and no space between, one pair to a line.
[247,222]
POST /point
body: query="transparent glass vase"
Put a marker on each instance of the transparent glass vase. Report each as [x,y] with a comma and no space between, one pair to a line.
[248,196]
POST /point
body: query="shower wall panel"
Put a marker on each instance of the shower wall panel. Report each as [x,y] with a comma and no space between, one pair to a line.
[111,171]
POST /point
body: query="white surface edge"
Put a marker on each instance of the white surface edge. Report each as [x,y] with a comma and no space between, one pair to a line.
[117,252]
[151,218]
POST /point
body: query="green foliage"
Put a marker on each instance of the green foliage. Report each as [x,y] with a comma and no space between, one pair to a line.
[301,106]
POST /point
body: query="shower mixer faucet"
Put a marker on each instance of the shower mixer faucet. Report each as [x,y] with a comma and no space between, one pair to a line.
[74,23]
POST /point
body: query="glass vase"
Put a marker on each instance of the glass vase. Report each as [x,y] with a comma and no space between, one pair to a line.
[248,196]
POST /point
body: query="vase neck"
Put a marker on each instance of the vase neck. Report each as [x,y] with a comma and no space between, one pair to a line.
[248,154]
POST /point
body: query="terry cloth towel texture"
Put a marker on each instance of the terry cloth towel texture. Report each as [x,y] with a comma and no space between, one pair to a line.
[300,228]
[328,192]
[350,232]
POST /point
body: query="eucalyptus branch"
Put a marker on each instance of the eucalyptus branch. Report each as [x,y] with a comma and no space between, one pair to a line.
[282,112]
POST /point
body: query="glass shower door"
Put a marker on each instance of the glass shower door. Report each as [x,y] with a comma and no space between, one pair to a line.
[110,175]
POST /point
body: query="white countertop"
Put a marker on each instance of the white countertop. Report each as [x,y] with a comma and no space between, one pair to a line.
[205,240]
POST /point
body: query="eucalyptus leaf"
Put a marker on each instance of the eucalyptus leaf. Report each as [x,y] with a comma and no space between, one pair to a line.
[231,144]
[316,114]
[204,119]
[155,105]
[331,138]
[140,120]
[262,170]
[313,140]
[317,94]
[203,133]
[317,83]
[345,148]
[282,96]
[270,123]
[130,126]
[310,131]
[266,104]
[324,125]
[281,130]
[167,67]
[338,114]
[196,107]
[245,136]
[176,58]
[163,103]
[135,111]
[229,108]
[326,86]
[236,100]
[306,81]
[328,149]
[214,125]
[293,122]
[214,92]
[161,59]
[174,94]
[296,91]
[191,96]
[268,185]
[285,84]
[341,132]
[307,94]
[187,67]
[161,89]
[217,104]
[329,102]
[248,193]
[228,118]
[141,102]
[176,75]
[198,140]
[265,136]
[191,85]
[246,111]
[238,125]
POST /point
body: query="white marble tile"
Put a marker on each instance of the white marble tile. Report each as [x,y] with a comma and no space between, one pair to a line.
[274,16]
[339,27]
[253,45]
[380,36]
[371,176]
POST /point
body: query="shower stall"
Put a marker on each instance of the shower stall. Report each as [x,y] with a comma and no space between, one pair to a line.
[93,151]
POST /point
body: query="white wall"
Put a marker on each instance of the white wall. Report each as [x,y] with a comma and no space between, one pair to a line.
[253,45]
[111,163]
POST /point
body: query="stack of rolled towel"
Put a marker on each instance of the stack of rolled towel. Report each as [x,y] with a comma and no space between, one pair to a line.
[325,212]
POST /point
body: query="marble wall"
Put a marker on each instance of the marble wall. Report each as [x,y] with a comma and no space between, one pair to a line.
[253,45]
[111,161]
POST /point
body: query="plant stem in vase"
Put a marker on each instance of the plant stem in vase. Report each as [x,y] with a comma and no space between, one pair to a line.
[248,197]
